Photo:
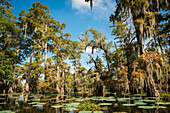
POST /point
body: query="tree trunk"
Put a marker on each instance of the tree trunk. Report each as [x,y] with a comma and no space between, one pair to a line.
[129,56]
[62,83]
[45,63]
[25,30]
[75,76]
[45,60]
[58,79]
[26,98]
[3,86]
[26,90]
[139,35]
[152,91]
[75,70]
[10,90]
[104,89]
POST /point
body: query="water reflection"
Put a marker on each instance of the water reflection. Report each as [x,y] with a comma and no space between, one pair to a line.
[21,104]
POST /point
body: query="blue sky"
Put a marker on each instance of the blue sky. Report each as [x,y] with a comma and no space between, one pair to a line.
[76,14]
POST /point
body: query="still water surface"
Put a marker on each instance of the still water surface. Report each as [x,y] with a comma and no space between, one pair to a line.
[19,103]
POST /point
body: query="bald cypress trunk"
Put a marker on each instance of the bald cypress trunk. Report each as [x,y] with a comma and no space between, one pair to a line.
[45,52]
[45,60]
[139,35]
[62,83]
[152,91]
[26,90]
[75,70]
[58,79]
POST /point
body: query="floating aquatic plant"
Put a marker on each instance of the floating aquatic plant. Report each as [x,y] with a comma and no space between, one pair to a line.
[140,103]
[111,100]
[105,104]
[129,104]
[32,103]
[7,111]
[154,97]
[2,98]
[37,105]
[41,103]
[57,106]
[85,111]
[97,111]
[149,100]
[2,103]
[146,107]
[163,103]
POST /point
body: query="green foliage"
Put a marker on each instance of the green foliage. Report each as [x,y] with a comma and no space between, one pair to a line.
[88,106]
[8,45]
[6,67]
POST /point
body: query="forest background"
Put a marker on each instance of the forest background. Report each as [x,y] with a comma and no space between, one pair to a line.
[130,54]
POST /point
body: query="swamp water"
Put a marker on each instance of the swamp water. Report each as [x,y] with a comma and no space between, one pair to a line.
[17,103]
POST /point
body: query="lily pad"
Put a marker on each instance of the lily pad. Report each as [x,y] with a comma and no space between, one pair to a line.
[43,99]
[79,100]
[129,104]
[95,99]
[135,98]
[74,104]
[149,100]
[111,100]
[3,94]
[57,106]
[2,98]
[87,98]
[140,103]
[37,105]
[35,99]
[33,103]
[162,107]
[69,99]
[124,98]
[146,107]
[119,112]
[140,94]
[7,111]
[105,104]
[85,111]
[111,97]
[102,99]
[97,111]
[2,103]
[154,97]
[66,104]
[163,103]
[41,103]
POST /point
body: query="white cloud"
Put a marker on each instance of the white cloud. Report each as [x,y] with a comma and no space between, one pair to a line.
[80,5]
[101,8]
[89,50]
